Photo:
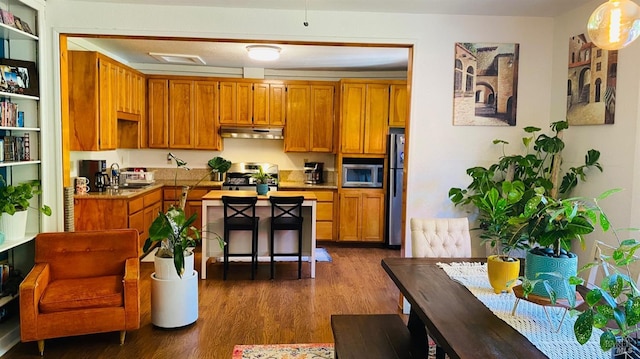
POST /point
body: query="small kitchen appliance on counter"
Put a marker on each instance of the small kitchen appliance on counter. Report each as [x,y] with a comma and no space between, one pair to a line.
[239,176]
[313,172]
[91,169]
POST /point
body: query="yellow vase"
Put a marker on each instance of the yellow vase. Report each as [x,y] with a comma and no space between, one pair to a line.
[501,273]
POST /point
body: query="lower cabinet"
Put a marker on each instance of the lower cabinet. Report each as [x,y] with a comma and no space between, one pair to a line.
[95,213]
[171,196]
[362,215]
[325,229]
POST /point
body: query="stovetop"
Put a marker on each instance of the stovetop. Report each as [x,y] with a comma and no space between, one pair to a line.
[239,175]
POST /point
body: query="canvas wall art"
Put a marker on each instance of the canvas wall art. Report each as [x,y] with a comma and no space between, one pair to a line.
[485,84]
[591,84]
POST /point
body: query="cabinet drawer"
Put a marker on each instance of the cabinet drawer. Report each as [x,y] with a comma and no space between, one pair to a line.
[153,197]
[325,196]
[324,211]
[136,205]
[324,230]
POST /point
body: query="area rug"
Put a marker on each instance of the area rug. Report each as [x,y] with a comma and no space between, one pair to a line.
[284,351]
[295,351]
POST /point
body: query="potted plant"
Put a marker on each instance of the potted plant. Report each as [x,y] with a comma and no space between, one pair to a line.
[175,232]
[510,192]
[261,180]
[14,202]
[219,166]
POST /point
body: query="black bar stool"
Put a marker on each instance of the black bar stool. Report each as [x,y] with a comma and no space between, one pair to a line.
[240,215]
[286,214]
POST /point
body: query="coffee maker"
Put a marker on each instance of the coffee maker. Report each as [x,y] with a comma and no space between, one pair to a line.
[313,172]
[92,169]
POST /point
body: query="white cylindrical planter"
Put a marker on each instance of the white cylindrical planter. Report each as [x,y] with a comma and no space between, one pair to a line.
[13,226]
[174,302]
[165,269]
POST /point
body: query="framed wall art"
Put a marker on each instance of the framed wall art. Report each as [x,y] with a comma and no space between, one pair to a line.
[591,83]
[485,84]
[18,77]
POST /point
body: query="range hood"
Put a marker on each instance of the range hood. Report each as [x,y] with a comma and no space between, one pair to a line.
[272,133]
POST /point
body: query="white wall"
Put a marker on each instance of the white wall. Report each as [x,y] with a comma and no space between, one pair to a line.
[618,143]
[438,152]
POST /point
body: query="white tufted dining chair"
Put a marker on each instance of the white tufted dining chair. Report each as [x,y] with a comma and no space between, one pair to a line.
[440,237]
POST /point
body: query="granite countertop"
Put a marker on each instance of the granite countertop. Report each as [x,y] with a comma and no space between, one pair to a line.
[215,184]
[286,185]
[121,193]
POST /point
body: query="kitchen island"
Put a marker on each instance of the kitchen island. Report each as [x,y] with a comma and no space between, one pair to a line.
[213,223]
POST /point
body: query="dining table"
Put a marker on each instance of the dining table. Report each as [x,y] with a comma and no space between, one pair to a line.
[460,324]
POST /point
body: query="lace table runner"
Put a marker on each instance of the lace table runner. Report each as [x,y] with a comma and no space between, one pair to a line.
[529,319]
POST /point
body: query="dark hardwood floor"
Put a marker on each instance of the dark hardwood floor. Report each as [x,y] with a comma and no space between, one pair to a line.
[242,311]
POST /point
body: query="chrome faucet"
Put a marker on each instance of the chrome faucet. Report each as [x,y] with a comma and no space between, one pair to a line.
[115,176]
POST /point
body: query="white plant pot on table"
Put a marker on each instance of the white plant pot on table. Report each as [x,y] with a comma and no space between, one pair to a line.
[174,300]
[13,226]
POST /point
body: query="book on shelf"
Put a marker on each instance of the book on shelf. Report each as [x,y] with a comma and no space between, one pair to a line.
[16,148]
[9,114]
[7,17]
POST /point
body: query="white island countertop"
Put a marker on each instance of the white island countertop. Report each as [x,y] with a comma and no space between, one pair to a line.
[213,223]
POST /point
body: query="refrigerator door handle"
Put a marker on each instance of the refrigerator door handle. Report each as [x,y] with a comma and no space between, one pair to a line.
[392,180]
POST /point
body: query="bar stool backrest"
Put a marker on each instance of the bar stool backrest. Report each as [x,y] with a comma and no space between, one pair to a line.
[286,209]
[239,209]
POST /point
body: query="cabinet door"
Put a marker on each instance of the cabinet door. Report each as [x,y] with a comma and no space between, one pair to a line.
[192,207]
[296,135]
[260,104]
[181,114]
[158,113]
[350,216]
[353,115]
[228,102]
[377,118]
[84,101]
[108,126]
[277,105]
[245,103]
[206,133]
[398,106]
[139,108]
[321,128]
[373,215]
[137,221]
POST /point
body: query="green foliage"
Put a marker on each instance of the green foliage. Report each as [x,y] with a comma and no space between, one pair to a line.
[518,196]
[219,164]
[15,198]
[261,176]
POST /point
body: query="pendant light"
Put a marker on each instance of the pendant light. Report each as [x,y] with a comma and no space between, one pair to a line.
[614,24]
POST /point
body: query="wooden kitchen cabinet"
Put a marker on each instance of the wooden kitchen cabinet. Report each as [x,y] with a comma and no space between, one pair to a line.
[182,114]
[244,103]
[364,118]
[362,215]
[92,109]
[136,212]
[325,229]
[398,105]
[310,118]
[171,196]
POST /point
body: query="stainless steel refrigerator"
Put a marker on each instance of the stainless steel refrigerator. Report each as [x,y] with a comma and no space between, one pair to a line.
[394,190]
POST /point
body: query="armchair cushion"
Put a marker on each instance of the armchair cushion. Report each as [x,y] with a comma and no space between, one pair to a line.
[71,294]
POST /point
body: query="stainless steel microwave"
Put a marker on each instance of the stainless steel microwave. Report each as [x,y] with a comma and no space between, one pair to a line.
[362,172]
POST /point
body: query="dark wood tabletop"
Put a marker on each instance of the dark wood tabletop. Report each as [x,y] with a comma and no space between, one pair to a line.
[454,317]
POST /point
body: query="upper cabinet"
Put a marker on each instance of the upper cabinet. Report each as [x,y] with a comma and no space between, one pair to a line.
[254,103]
[101,94]
[182,114]
[398,105]
[310,118]
[364,118]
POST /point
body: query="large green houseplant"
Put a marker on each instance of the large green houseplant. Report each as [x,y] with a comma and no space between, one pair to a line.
[517,197]
[173,230]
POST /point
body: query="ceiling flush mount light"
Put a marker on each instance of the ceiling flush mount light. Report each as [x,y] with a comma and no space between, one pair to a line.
[614,24]
[264,52]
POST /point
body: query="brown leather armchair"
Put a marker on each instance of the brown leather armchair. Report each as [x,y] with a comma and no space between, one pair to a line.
[82,283]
